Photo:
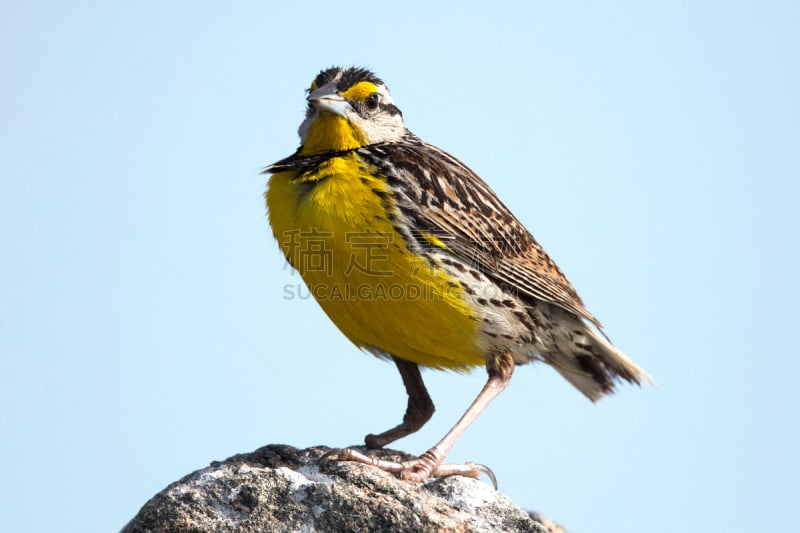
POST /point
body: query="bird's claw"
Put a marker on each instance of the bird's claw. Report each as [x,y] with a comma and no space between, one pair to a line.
[420,469]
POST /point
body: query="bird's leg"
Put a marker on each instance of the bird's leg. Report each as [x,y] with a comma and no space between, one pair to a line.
[429,464]
[419,410]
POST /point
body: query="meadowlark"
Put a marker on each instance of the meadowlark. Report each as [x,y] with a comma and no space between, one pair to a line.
[416,260]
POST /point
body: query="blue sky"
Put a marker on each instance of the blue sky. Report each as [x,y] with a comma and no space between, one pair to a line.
[144,330]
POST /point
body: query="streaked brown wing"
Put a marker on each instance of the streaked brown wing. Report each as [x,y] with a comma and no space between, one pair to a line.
[453,203]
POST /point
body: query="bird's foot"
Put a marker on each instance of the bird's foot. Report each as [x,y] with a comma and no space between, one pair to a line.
[428,465]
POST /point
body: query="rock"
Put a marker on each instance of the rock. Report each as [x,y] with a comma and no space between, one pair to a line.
[549,525]
[281,488]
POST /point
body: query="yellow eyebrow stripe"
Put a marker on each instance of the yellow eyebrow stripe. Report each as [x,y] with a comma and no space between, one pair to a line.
[314,85]
[359,91]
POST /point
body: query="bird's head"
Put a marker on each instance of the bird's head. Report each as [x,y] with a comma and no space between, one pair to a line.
[348,108]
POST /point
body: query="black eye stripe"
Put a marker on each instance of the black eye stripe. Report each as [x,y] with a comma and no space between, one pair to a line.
[390,109]
[365,111]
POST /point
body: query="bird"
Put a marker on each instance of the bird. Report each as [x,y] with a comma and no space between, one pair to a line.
[416,260]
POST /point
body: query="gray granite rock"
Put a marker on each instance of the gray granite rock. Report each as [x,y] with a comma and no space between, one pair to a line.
[281,488]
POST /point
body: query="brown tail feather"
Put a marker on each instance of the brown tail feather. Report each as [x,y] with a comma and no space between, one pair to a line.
[591,363]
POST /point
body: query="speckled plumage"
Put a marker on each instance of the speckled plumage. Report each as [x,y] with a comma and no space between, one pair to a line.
[509,300]
[527,305]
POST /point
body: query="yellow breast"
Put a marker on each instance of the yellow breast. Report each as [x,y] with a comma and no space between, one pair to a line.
[333,227]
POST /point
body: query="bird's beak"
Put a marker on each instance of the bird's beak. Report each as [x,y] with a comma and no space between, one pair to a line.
[326,100]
